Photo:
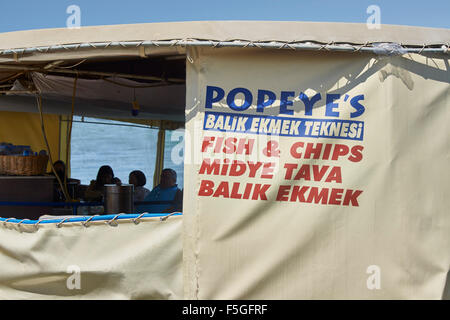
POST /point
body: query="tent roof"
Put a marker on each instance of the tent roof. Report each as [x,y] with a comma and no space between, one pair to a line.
[322,32]
[99,98]
[119,48]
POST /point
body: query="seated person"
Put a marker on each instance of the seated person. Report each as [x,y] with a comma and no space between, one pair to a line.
[72,184]
[95,190]
[167,190]
[137,178]
[60,169]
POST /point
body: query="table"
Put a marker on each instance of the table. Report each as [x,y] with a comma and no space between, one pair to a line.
[26,189]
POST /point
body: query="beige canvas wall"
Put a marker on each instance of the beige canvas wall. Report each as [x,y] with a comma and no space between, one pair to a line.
[126,261]
[389,238]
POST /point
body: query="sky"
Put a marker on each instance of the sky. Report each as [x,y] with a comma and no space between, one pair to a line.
[39,14]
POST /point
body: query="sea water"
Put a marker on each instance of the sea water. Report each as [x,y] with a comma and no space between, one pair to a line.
[123,148]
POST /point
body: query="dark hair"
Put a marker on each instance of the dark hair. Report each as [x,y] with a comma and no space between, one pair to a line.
[59,162]
[172,172]
[63,173]
[140,177]
[101,175]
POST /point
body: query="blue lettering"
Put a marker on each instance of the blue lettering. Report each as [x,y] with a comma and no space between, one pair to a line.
[267,98]
[210,99]
[247,102]
[359,107]
[284,102]
[262,102]
[309,103]
[331,105]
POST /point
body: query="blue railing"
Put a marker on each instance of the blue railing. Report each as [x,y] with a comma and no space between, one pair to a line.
[73,205]
[106,217]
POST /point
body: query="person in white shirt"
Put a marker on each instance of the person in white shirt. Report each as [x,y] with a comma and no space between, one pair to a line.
[137,178]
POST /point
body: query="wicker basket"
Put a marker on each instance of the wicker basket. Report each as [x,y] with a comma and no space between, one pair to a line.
[23,165]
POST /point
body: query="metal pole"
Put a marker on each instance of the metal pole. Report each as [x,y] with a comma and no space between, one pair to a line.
[92,73]
[220,44]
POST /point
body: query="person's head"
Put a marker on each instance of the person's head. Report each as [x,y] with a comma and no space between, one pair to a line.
[137,178]
[105,175]
[168,178]
[60,168]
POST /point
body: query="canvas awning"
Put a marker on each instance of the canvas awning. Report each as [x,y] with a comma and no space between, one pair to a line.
[50,50]
[99,98]
[156,39]
[284,31]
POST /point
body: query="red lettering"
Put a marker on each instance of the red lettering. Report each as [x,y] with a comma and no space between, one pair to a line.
[294,152]
[253,167]
[335,196]
[310,149]
[298,193]
[334,175]
[234,191]
[303,173]
[248,189]
[289,169]
[225,165]
[210,168]
[283,192]
[327,151]
[237,168]
[207,142]
[222,190]
[206,188]
[315,196]
[260,191]
[339,150]
[247,146]
[267,171]
[230,145]
[351,197]
[318,175]
[356,154]
[218,144]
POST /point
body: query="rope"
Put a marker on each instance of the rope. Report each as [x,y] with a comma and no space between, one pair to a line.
[59,224]
[360,47]
[215,44]
[12,77]
[69,134]
[159,155]
[39,103]
[113,220]
[36,225]
[137,220]
[423,47]
[4,222]
[20,222]
[136,87]
[166,217]
[75,65]
[86,223]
